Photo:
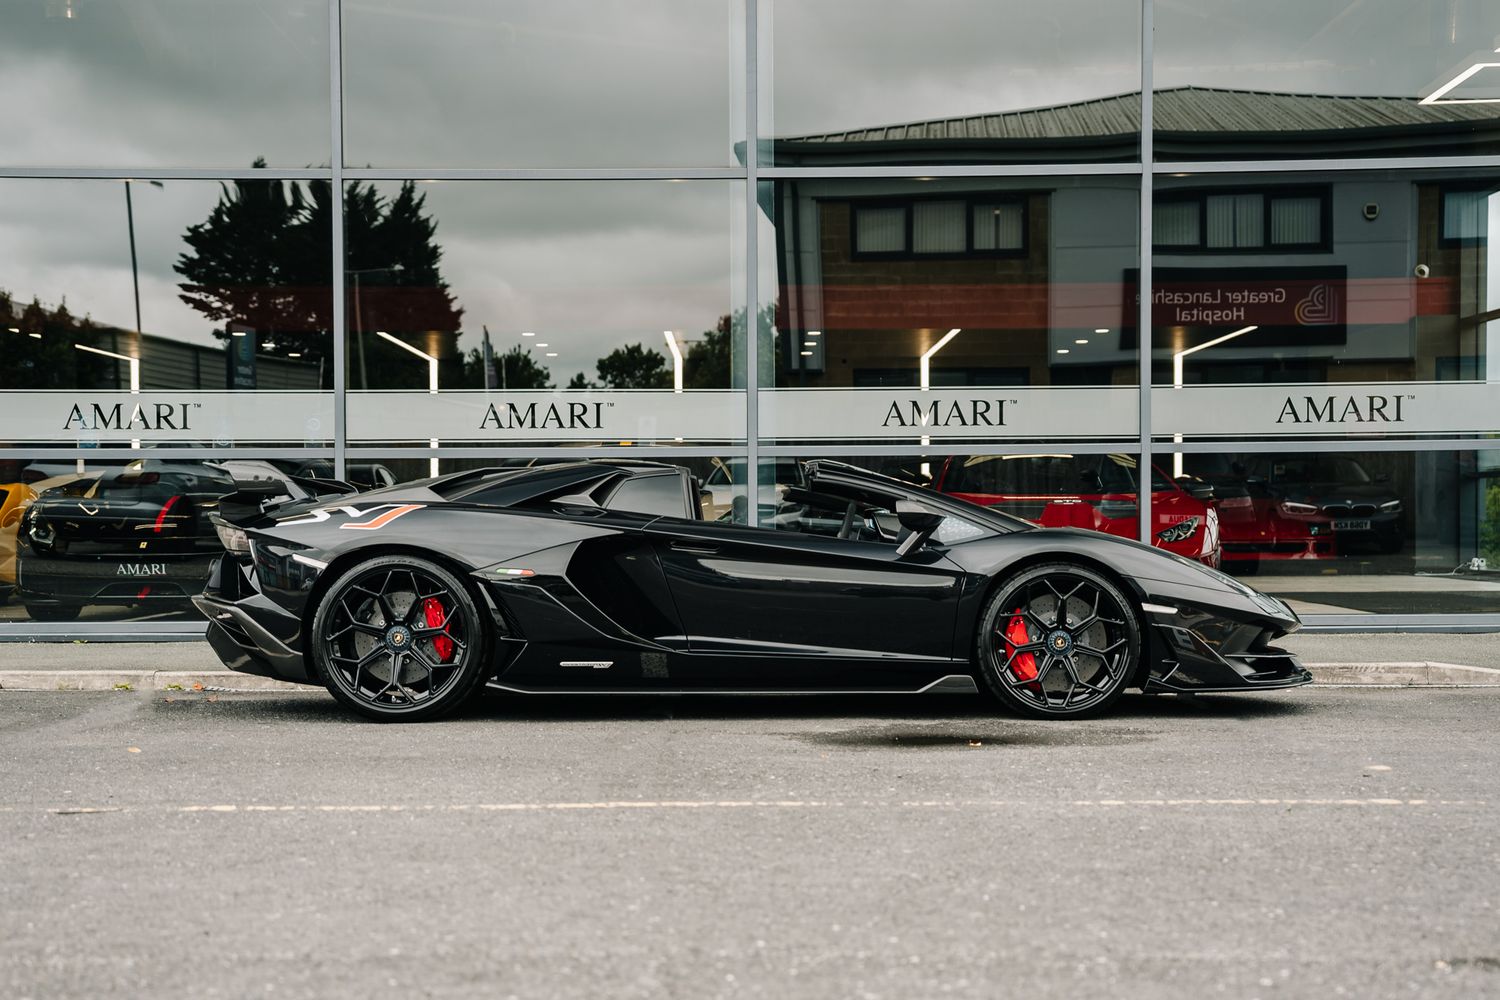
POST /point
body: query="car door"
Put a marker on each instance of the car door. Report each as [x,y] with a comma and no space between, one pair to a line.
[806,597]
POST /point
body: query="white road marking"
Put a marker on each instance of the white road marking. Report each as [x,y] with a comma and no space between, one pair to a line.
[666,804]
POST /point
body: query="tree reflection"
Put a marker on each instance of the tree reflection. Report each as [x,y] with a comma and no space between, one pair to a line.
[39,348]
[261,260]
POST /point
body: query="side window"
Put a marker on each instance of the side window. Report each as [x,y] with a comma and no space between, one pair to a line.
[867,517]
[662,495]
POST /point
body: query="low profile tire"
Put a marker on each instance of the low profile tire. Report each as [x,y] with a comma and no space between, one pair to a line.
[399,639]
[1058,641]
[53,612]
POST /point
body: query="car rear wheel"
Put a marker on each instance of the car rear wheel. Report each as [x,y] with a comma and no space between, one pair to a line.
[398,638]
[1058,641]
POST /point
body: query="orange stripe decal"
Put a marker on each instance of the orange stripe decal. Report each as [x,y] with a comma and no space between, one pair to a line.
[380,521]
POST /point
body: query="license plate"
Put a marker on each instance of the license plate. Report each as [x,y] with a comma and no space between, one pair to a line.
[1362,524]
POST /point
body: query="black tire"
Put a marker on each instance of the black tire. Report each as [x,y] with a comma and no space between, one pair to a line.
[1082,635]
[53,612]
[378,649]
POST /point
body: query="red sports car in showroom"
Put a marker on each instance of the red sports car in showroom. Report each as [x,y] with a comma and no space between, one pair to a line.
[1096,492]
[1261,525]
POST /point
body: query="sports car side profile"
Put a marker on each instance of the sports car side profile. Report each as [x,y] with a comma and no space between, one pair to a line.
[601,576]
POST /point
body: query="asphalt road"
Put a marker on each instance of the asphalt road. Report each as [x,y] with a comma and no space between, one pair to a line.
[1316,843]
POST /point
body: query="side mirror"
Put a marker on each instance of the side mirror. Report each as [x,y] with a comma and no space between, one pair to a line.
[920,520]
[1197,488]
[1383,477]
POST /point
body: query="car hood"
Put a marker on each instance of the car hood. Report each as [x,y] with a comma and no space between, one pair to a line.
[1324,493]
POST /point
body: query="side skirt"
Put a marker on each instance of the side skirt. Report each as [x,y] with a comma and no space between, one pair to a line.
[951,684]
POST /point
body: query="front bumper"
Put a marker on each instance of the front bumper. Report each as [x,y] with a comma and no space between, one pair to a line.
[249,632]
[1199,650]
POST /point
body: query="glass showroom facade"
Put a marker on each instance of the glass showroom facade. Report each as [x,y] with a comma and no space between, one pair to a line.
[1037,255]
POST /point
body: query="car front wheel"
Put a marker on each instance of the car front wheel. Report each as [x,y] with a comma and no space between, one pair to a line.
[399,638]
[1058,641]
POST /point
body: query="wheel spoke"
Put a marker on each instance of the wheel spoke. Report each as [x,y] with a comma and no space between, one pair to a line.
[396,680]
[1093,615]
[1041,623]
[1046,668]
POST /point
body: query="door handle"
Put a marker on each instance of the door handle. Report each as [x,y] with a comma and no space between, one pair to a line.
[698,548]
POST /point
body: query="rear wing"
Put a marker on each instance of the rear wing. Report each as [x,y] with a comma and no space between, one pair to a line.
[255,499]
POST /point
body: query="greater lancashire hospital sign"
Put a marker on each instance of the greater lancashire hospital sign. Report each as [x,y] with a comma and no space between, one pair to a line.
[651,416]
[1287,305]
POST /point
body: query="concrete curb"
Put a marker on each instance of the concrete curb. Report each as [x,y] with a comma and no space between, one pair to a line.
[1404,674]
[1416,673]
[142,680]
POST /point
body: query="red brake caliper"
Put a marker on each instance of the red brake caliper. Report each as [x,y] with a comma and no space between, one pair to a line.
[1024,666]
[436,617]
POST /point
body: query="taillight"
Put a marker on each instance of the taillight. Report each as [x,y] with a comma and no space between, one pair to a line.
[161,515]
[234,539]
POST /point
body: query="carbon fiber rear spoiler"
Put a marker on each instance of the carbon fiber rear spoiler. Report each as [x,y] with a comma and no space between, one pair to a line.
[257,498]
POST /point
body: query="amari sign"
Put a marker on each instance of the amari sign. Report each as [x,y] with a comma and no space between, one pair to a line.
[190,417]
[637,416]
[1368,408]
[1023,413]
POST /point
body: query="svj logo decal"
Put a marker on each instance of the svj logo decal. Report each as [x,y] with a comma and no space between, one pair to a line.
[366,519]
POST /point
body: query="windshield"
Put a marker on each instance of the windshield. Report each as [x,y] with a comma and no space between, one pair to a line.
[885,491]
[1043,475]
[155,484]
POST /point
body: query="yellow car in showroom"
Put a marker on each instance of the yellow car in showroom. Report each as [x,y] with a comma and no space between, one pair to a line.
[14,498]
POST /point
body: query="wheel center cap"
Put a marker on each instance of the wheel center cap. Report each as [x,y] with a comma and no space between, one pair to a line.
[1059,642]
[398,637]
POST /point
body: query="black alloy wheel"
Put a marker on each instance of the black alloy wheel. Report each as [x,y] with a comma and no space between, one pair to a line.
[1058,641]
[398,638]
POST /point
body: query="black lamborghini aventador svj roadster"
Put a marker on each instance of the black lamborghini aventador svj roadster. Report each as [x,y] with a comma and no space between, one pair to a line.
[603,577]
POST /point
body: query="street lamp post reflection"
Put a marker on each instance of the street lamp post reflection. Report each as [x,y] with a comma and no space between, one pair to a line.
[1177,382]
[925,381]
[432,383]
[135,275]
[135,375]
[359,325]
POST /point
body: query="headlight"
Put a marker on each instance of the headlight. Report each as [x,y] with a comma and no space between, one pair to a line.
[1181,531]
[234,539]
[1391,506]
[1295,508]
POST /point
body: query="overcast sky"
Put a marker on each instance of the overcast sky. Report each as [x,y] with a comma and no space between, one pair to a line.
[453,83]
[591,265]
